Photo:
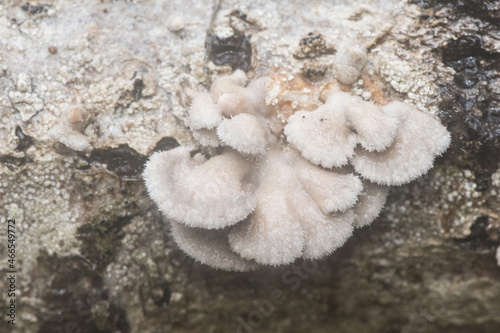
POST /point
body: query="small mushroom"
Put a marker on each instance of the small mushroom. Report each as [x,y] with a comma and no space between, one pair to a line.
[323,233]
[68,130]
[370,203]
[233,83]
[374,128]
[199,193]
[243,133]
[272,234]
[203,112]
[210,247]
[328,135]
[231,104]
[331,191]
[231,99]
[322,135]
[420,138]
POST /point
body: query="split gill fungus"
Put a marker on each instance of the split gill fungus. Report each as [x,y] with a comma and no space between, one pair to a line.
[290,187]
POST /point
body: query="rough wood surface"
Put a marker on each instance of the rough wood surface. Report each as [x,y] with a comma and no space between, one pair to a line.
[93,253]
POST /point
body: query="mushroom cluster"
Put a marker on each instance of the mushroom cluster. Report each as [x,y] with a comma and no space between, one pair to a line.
[276,194]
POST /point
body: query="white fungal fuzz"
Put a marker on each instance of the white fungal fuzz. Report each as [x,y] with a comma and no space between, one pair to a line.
[204,113]
[272,235]
[210,247]
[205,194]
[375,129]
[322,136]
[370,203]
[275,193]
[232,104]
[420,138]
[332,192]
[325,235]
[243,133]
[341,123]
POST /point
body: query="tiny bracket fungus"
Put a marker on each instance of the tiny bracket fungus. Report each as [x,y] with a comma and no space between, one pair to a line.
[291,187]
[69,129]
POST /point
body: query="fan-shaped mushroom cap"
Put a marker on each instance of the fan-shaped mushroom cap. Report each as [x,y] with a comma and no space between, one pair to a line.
[203,112]
[420,138]
[210,247]
[229,84]
[209,195]
[375,129]
[322,135]
[323,233]
[243,133]
[231,104]
[370,204]
[272,234]
[332,192]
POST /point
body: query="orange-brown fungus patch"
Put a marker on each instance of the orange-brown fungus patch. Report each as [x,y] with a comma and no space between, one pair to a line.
[375,86]
[288,93]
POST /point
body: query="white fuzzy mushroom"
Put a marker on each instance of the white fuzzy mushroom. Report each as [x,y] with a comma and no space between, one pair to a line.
[210,247]
[71,139]
[229,97]
[328,135]
[331,191]
[370,203]
[323,233]
[203,112]
[244,133]
[233,83]
[231,104]
[198,193]
[420,138]
[264,201]
[290,220]
[272,234]
[322,135]
[374,128]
